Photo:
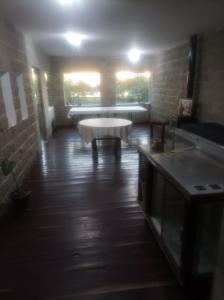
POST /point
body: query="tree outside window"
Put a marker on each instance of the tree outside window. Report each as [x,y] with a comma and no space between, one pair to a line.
[132,88]
[82,88]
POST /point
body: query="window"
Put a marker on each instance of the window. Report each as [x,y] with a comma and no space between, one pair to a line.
[22,96]
[82,88]
[132,87]
[8,99]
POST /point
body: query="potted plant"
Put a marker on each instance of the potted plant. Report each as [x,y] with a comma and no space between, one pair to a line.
[2,207]
[19,196]
[5,206]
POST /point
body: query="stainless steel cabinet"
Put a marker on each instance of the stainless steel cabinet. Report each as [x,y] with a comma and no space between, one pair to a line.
[186,226]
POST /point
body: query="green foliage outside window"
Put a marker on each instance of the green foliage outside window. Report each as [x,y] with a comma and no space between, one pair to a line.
[84,88]
[133,90]
[80,93]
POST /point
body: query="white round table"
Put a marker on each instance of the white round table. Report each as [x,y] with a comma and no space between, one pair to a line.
[100,128]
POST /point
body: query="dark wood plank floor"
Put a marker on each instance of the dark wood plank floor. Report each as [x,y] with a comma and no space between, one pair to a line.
[83,236]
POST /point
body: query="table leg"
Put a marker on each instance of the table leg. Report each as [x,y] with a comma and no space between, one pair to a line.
[118,147]
[94,146]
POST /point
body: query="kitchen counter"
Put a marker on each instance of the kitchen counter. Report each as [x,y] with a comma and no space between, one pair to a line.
[192,171]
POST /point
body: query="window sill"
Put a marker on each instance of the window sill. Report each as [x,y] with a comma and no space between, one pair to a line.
[92,105]
[133,104]
[117,104]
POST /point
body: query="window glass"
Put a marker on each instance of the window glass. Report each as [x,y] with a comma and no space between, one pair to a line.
[82,88]
[8,99]
[132,87]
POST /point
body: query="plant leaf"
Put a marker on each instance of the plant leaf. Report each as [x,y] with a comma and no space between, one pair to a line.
[7,166]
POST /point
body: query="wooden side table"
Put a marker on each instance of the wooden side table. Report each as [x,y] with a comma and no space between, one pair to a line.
[162,124]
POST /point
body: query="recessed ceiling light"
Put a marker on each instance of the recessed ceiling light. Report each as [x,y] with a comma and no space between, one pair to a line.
[74,39]
[66,2]
[134,55]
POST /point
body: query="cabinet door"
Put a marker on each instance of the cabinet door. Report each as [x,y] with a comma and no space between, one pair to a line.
[145,180]
[207,236]
[156,200]
[173,218]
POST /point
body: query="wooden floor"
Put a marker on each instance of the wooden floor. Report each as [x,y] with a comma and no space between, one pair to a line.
[83,236]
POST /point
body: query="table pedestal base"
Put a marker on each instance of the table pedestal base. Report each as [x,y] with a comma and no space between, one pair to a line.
[117,149]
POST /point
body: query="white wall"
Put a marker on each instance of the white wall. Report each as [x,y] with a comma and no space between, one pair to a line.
[36,57]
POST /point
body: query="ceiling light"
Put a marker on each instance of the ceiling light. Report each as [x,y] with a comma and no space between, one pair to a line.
[65,2]
[134,55]
[74,39]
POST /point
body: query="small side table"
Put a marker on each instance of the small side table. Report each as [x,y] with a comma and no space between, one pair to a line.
[162,124]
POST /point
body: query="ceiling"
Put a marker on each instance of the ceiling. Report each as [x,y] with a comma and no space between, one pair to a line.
[112,27]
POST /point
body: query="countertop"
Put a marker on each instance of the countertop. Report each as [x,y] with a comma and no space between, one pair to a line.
[193,171]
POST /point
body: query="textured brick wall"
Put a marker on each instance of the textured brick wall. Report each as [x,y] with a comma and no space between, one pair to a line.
[19,142]
[56,98]
[169,80]
[210,78]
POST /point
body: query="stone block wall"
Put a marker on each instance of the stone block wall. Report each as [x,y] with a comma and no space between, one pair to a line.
[170,70]
[18,143]
[169,80]
[56,98]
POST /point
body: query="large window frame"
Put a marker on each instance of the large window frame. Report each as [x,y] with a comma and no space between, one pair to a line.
[8,98]
[128,81]
[77,83]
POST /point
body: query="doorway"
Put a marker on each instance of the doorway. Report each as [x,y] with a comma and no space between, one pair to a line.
[38,99]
